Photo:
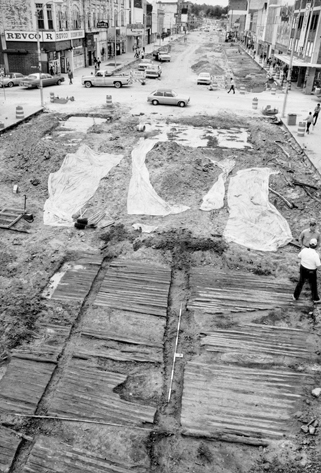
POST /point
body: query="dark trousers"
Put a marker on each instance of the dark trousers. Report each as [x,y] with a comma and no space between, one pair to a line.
[231,88]
[311,276]
[308,127]
[315,116]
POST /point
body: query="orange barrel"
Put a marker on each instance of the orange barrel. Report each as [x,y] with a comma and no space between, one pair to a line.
[109,101]
[52,97]
[141,127]
[213,86]
[1,125]
[19,113]
[255,103]
[301,129]
[273,91]
[242,90]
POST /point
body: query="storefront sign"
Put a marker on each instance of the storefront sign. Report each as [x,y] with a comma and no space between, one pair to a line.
[44,36]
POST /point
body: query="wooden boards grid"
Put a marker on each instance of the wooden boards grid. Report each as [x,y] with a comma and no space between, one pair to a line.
[23,385]
[135,287]
[9,443]
[218,292]
[260,340]
[77,281]
[233,402]
[48,455]
[88,392]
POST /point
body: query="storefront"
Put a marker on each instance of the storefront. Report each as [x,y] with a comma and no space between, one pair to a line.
[305,75]
[59,50]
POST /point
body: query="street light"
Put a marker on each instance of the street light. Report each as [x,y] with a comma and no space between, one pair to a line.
[39,50]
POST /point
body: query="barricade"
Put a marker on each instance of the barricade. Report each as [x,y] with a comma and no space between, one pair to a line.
[109,101]
[242,90]
[52,97]
[255,103]
[1,125]
[213,86]
[301,129]
[273,91]
[19,113]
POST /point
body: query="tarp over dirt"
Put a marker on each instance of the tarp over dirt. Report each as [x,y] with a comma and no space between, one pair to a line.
[142,197]
[75,183]
[253,221]
[214,199]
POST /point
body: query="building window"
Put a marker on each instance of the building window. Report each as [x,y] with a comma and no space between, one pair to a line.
[300,22]
[41,21]
[60,20]
[314,22]
[94,20]
[49,17]
[76,19]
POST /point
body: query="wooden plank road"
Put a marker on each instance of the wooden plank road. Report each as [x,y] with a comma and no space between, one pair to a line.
[23,385]
[260,339]
[77,281]
[136,287]
[88,392]
[9,444]
[49,455]
[239,404]
[215,291]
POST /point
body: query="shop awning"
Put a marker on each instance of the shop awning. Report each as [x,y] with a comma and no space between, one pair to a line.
[296,62]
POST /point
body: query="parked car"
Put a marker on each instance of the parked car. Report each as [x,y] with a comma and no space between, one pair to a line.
[144,64]
[153,72]
[163,57]
[104,78]
[204,78]
[11,79]
[33,80]
[168,97]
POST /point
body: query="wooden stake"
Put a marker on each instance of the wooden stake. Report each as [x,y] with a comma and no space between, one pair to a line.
[289,204]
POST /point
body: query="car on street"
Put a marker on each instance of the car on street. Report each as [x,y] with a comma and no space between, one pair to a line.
[164,57]
[204,78]
[168,97]
[11,79]
[153,72]
[104,78]
[144,63]
[33,80]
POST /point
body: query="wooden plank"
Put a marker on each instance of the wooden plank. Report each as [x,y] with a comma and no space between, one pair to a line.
[9,443]
[87,392]
[49,454]
[238,401]
[23,385]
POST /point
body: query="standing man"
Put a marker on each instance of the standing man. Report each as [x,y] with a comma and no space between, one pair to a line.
[98,64]
[316,113]
[70,75]
[309,233]
[232,86]
[309,120]
[309,263]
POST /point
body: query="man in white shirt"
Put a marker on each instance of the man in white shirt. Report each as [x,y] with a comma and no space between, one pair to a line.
[309,263]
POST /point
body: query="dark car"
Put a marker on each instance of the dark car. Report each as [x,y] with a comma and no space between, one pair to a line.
[33,80]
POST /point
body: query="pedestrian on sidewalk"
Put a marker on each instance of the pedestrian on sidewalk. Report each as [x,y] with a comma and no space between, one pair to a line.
[316,113]
[232,86]
[98,63]
[309,120]
[142,55]
[70,75]
[309,263]
[52,71]
[309,233]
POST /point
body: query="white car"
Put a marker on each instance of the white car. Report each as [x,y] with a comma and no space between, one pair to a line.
[153,72]
[106,79]
[163,57]
[204,78]
[168,97]
[144,64]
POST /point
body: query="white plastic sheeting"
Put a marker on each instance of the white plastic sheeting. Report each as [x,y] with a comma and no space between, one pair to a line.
[142,197]
[75,183]
[254,222]
[214,199]
[145,228]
